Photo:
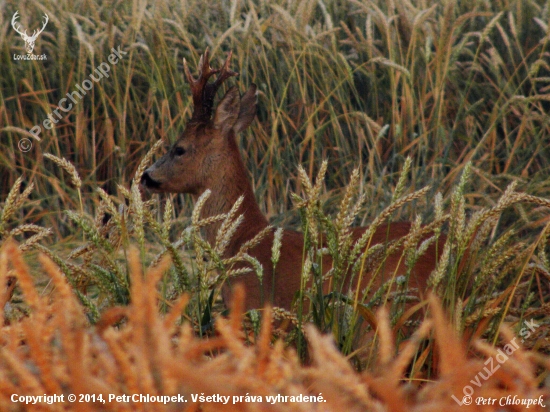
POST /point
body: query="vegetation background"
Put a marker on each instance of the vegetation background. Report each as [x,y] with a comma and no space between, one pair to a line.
[362,84]
[454,85]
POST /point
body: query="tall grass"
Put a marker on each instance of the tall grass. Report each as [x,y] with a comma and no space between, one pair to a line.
[484,275]
[53,351]
[360,83]
[460,88]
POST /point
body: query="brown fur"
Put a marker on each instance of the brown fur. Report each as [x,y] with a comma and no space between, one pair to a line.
[289,269]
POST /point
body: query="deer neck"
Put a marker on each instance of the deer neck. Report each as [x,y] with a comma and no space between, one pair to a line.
[226,189]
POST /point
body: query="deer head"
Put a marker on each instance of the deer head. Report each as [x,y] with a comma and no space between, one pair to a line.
[200,158]
[29,40]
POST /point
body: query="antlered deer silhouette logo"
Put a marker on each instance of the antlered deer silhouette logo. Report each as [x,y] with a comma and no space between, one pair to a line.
[29,40]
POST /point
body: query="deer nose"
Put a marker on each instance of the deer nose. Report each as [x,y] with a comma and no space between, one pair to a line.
[148,181]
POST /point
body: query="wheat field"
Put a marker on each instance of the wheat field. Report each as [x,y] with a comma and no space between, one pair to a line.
[369,111]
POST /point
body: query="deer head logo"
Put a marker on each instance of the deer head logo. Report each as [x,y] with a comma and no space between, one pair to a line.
[29,40]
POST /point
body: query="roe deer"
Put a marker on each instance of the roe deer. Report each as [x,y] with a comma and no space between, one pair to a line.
[206,156]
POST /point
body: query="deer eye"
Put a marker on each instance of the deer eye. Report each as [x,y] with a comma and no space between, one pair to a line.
[179,151]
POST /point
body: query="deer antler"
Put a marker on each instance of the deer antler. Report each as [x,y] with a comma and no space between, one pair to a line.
[37,32]
[18,27]
[204,92]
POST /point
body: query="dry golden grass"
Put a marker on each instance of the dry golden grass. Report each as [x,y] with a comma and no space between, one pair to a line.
[135,350]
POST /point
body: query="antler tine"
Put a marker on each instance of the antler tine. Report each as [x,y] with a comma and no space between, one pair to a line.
[205,72]
[38,31]
[225,72]
[14,22]
[204,65]
[204,92]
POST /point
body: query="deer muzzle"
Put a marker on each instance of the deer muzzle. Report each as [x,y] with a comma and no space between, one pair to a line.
[148,182]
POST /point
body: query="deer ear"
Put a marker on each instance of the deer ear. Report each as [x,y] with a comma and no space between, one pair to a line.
[248,109]
[228,109]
